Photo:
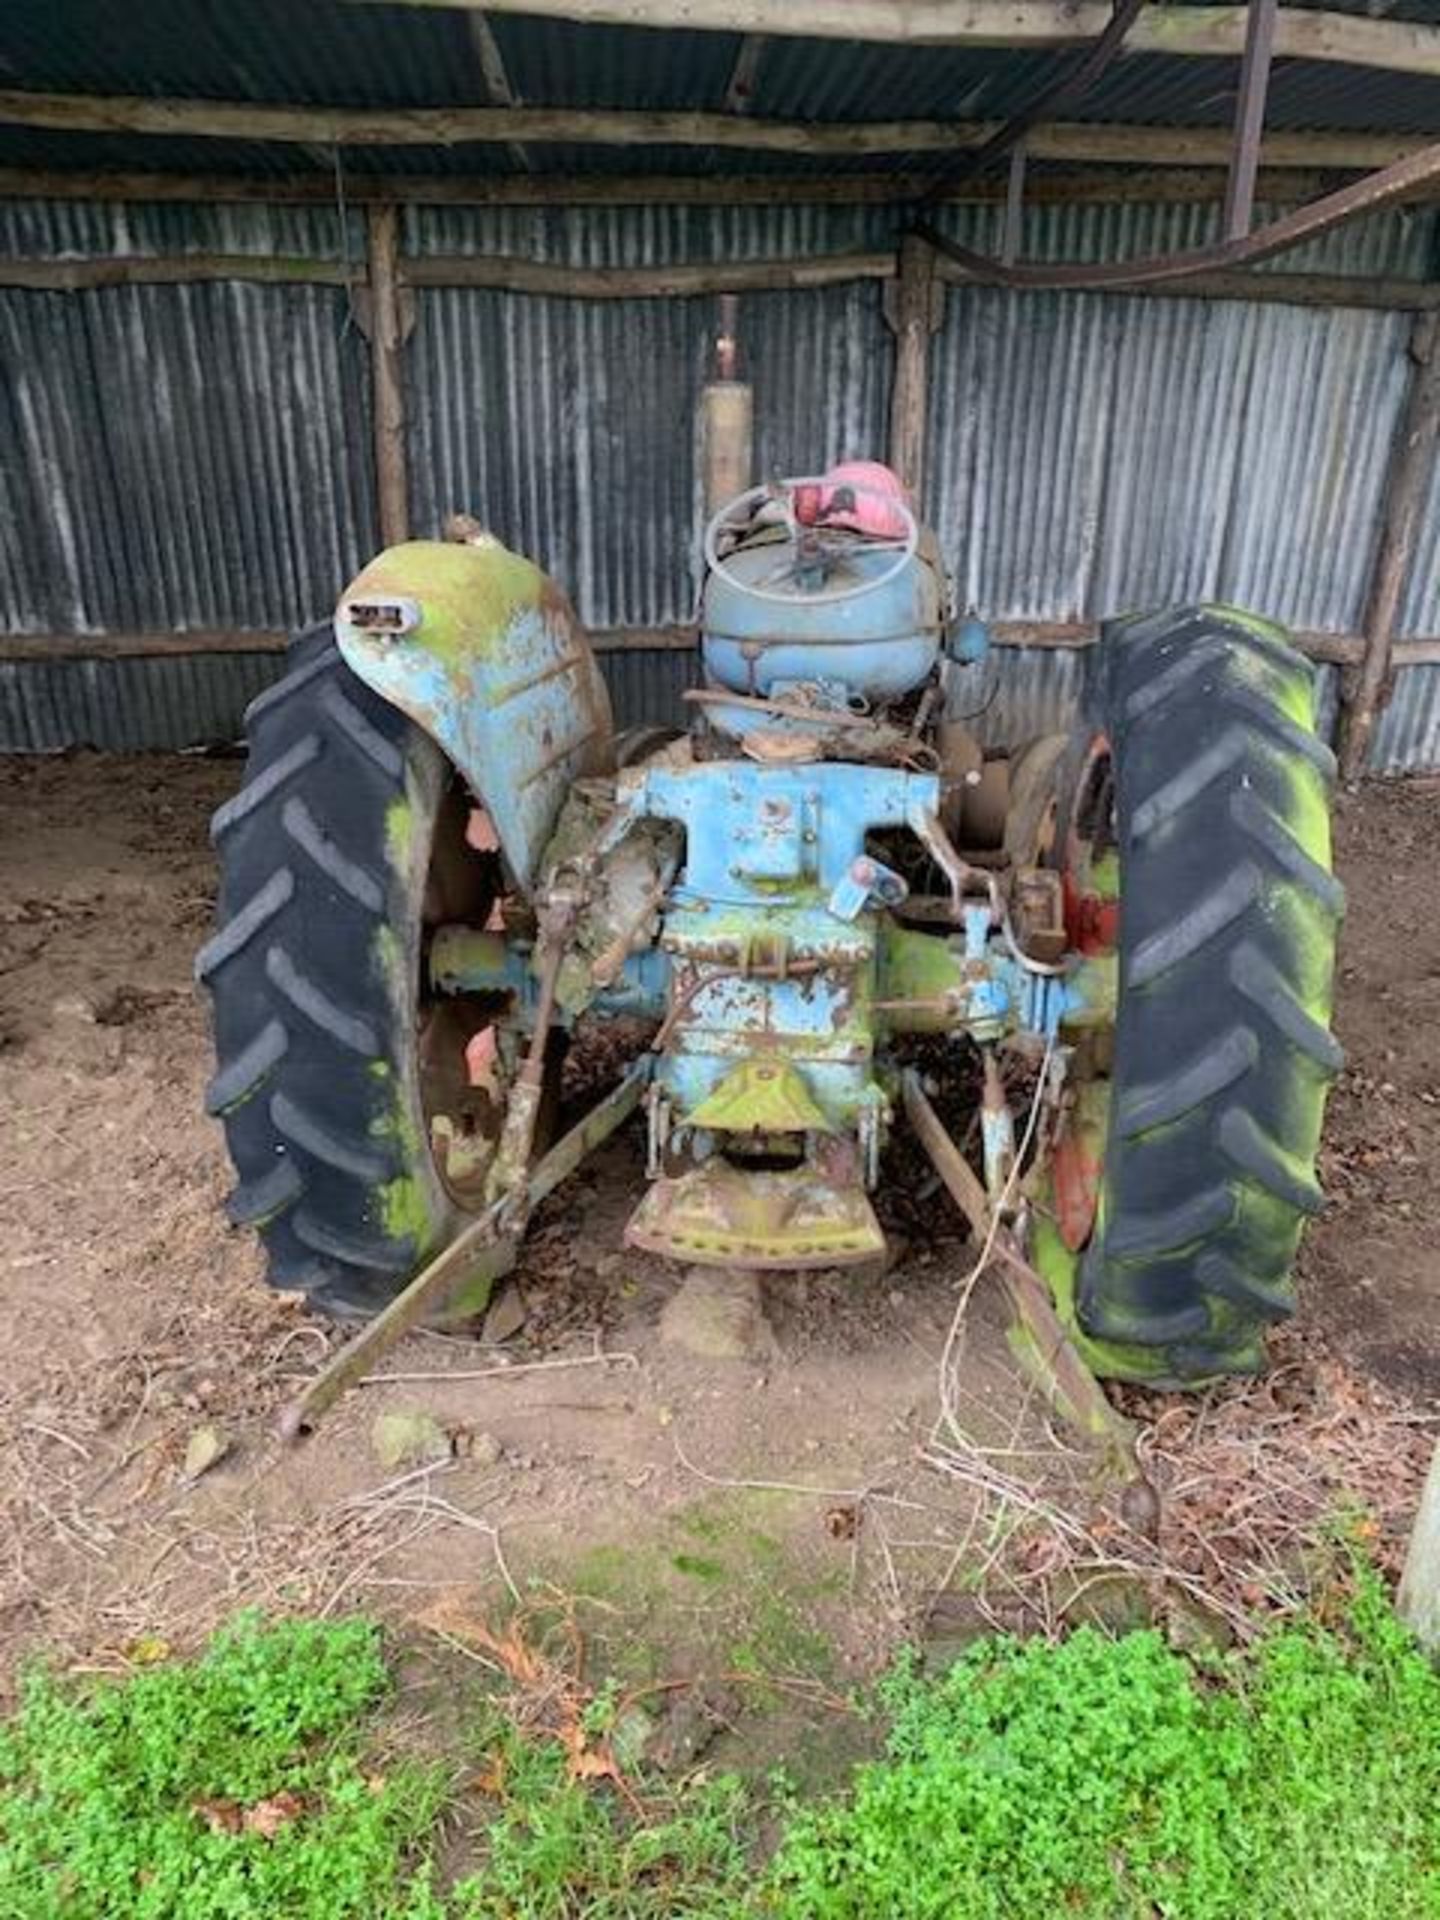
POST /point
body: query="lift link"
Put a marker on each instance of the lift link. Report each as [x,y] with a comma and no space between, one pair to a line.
[483,1250]
[1038,1337]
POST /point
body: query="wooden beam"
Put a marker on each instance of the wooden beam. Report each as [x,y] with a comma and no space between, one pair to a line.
[447,126]
[60,647]
[1388,294]
[1412,463]
[509,274]
[1199,32]
[1337,649]
[914,307]
[392,491]
[1185,185]
[506,273]
[495,77]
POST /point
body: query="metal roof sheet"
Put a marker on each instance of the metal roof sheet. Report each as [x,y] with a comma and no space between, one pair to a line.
[334,53]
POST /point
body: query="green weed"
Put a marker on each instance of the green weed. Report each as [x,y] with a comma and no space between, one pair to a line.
[1112,1778]
[1102,1779]
[152,1799]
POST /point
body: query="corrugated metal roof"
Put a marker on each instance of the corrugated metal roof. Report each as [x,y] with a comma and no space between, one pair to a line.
[334,53]
[324,53]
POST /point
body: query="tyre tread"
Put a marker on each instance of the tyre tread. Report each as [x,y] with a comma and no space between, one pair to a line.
[1222,1052]
[311,1046]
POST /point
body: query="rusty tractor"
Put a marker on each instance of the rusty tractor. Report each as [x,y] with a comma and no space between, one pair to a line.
[443,862]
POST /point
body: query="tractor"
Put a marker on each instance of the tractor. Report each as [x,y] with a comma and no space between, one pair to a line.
[444,863]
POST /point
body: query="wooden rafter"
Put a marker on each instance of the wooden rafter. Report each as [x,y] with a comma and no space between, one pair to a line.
[1179,184]
[1249,117]
[495,75]
[740,88]
[508,273]
[450,126]
[1200,32]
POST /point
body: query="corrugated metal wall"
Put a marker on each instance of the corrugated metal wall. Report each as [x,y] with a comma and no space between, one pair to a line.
[198,457]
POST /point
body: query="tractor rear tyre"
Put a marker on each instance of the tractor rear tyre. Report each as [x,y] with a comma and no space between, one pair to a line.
[1217,791]
[331,856]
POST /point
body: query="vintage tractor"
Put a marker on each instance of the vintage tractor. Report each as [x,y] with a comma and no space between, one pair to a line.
[443,862]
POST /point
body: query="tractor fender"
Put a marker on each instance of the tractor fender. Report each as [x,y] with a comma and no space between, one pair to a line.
[484,653]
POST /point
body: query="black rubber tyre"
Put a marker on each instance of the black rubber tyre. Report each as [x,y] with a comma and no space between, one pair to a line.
[324,856]
[1223,1055]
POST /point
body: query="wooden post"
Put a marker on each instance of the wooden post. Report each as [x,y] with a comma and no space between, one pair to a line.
[1249,117]
[387,386]
[1412,459]
[914,307]
[1418,1600]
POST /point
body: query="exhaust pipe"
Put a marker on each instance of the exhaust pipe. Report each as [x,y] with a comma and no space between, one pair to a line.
[727,417]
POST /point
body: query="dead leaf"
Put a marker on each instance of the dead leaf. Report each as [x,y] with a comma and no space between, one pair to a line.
[841,1522]
[220,1816]
[267,1817]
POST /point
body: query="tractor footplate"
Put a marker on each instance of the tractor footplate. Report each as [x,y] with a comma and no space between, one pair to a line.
[722,1215]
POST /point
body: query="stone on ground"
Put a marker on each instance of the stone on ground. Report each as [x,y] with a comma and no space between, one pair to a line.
[719,1314]
[407,1437]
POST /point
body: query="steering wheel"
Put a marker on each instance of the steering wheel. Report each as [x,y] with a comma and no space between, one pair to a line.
[740,511]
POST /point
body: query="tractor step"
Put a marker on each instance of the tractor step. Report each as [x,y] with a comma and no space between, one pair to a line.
[718,1214]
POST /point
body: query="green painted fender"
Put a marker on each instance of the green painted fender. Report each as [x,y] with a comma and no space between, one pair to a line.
[484,653]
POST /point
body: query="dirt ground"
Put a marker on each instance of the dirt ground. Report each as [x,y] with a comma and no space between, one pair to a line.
[776,1515]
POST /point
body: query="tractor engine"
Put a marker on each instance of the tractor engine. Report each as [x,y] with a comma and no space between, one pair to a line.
[779,889]
[795,946]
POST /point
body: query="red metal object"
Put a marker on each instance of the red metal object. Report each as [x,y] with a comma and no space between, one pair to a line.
[1075,1182]
[1092,918]
[1078,1162]
[1092,922]
[855,495]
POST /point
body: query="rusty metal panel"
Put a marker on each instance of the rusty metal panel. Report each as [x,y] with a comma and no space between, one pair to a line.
[1096,453]
[129,705]
[180,457]
[1407,732]
[646,685]
[61,229]
[199,457]
[569,426]
[135,705]
[1420,607]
